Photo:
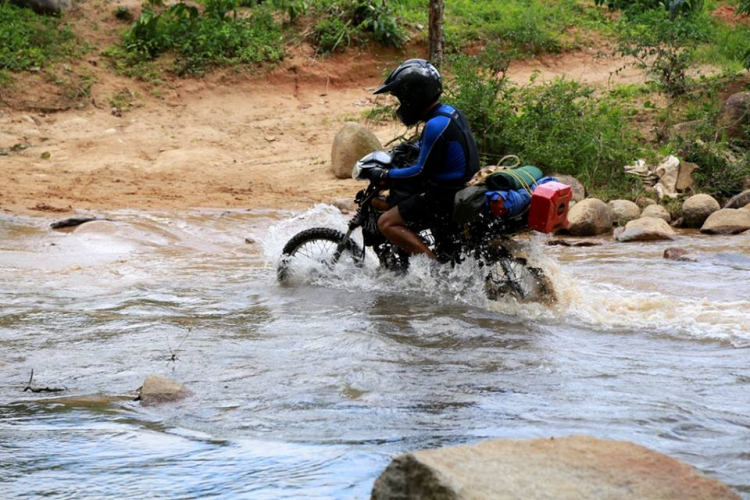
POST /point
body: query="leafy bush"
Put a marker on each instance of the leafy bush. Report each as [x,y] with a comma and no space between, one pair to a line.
[349,20]
[29,40]
[674,7]
[663,45]
[722,170]
[560,127]
[215,36]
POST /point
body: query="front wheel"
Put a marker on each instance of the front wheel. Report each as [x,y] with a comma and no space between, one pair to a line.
[512,277]
[314,249]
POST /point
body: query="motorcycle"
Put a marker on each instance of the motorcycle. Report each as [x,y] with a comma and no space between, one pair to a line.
[486,238]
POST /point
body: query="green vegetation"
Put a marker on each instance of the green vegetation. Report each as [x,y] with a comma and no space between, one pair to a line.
[28,40]
[201,39]
[561,126]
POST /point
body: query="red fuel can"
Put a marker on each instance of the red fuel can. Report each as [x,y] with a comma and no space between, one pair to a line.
[549,207]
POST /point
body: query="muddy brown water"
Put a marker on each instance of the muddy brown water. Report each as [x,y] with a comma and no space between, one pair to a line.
[306,391]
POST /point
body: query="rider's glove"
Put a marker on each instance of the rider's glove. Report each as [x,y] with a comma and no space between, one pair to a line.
[375,174]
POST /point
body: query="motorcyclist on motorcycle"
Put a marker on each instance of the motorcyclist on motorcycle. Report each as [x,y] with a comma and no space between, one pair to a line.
[447,159]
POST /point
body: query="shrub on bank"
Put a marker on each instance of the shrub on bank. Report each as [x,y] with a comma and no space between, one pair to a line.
[29,40]
[200,39]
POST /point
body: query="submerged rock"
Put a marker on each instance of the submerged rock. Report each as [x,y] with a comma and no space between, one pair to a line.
[351,143]
[646,229]
[72,222]
[727,221]
[156,389]
[696,209]
[680,254]
[577,467]
[590,217]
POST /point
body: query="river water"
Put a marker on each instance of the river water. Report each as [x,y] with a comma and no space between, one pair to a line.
[307,391]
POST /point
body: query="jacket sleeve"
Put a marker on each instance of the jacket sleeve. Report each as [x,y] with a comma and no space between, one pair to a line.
[433,131]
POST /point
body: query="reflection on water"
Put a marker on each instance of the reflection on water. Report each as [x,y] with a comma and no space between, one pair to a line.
[306,391]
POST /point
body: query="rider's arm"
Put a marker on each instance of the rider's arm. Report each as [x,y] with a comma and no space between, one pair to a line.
[433,131]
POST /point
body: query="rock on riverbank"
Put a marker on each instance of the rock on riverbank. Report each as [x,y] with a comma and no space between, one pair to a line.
[578,467]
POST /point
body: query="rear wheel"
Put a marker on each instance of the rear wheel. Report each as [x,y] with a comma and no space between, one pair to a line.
[512,277]
[315,249]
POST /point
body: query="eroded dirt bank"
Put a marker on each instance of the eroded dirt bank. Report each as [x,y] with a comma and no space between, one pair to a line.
[225,141]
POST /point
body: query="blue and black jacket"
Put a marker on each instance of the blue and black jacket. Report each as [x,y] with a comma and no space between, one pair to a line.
[448,155]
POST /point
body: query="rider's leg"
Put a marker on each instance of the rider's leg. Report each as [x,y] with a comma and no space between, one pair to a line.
[393,227]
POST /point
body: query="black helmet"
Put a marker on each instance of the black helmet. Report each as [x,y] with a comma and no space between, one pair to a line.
[417,85]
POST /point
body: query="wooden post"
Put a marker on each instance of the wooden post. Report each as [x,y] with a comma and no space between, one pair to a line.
[436,38]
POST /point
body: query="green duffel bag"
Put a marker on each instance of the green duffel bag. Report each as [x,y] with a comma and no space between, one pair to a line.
[514,179]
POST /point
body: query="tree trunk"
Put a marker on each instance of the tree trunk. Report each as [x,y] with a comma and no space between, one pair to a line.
[437,41]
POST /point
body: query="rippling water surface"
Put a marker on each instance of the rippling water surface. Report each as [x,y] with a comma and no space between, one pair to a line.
[306,391]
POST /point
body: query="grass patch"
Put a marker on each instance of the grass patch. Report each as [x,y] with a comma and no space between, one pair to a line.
[29,40]
[201,39]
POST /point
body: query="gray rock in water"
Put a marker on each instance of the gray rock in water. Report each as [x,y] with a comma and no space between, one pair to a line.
[577,467]
[45,6]
[727,221]
[696,209]
[73,222]
[623,211]
[680,254]
[658,212]
[351,143]
[590,217]
[646,229]
[739,201]
[156,390]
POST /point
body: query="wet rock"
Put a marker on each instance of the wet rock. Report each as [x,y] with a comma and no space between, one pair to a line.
[351,143]
[156,390]
[91,401]
[646,229]
[658,212]
[739,201]
[573,243]
[72,222]
[735,116]
[696,209]
[45,6]
[623,211]
[579,190]
[680,254]
[727,221]
[685,181]
[577,467]
[590,217]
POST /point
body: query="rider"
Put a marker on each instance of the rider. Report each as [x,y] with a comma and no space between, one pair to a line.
[448,155]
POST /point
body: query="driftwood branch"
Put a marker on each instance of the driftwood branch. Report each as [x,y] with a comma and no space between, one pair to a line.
[40,389]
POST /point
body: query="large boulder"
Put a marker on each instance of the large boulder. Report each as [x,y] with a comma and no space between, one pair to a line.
[579,190]
[45,6]
[590,217]
[657,211]
[735,115]
[739,201]
[727,221]
[351,143]
[646,229]
[696,209]
[577,467]
[623,211]
[156,390]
